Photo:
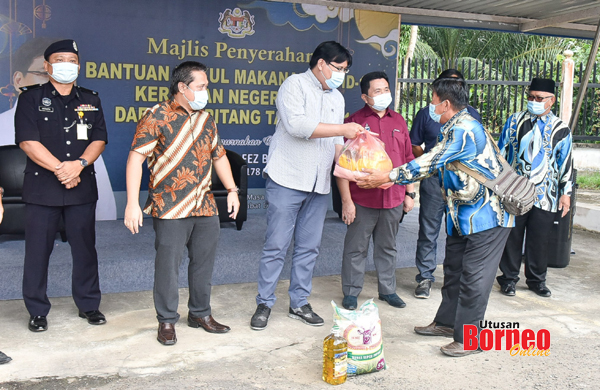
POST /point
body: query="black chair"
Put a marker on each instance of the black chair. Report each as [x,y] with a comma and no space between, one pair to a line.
[12,168]
[336,198]
[239,168]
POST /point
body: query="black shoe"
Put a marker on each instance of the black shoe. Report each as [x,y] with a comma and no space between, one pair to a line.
[393,300]
[94,317]
[38,323]
[540,289]
[423,289]
[508,289]
[261,316]
[349,302]
[3,358]
[306,315]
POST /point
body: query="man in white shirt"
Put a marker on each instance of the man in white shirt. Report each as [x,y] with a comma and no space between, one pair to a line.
[28,69]
[309,132]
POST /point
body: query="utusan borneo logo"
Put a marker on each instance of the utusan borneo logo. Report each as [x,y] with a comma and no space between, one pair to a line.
[236,23]
[506,336]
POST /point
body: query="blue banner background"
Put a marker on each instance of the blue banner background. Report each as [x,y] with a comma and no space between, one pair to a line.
[114,32]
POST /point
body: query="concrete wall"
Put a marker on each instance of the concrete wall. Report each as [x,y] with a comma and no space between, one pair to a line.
[586,156]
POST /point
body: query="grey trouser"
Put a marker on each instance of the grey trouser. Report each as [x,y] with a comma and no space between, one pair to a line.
[431,217]
[469,270]
[383,225]
[291,214]
[200,235]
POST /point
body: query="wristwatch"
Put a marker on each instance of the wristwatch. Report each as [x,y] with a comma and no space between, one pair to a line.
[83,161]
[234,189]
[1,192]
[394,175]
[411,194]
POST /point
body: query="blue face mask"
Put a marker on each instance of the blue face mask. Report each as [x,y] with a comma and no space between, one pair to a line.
[536,108]
[436,117]
[336,80]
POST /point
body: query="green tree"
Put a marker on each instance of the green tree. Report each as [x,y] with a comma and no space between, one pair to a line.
[477,44]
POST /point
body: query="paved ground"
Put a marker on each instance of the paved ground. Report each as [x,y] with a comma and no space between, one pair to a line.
[124,354]
[588,196]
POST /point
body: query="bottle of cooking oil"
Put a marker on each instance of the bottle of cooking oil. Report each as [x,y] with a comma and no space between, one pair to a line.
[335,349]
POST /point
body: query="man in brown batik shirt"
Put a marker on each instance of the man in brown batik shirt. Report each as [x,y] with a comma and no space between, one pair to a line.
[181,142]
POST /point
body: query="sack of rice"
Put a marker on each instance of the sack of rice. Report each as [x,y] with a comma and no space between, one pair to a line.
[362,330]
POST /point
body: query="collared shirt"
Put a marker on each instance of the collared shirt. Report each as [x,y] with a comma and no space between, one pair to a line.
[425,130]
[393,131]
[43,115]
[295,160]
[540,149]
[180,149]
[471,207]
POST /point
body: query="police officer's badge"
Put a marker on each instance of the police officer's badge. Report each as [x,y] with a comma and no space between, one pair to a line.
[46,101]
[75,46]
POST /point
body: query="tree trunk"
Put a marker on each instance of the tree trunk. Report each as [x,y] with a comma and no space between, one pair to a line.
[409,55]
[411,50]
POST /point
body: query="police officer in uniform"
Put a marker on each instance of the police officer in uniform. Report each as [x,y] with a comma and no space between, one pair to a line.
[62,130]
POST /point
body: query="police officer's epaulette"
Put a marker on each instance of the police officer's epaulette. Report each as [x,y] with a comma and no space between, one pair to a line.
[86,90]
[30,87]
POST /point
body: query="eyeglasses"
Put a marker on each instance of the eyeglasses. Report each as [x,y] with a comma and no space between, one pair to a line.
[538,98]
[37,72]
[344,70]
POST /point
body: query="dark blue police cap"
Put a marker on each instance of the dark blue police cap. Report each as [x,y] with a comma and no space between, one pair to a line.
[64,46]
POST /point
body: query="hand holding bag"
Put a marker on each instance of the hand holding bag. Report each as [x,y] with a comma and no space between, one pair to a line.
[364,151]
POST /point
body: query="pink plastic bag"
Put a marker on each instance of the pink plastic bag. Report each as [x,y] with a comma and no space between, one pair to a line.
[363,152]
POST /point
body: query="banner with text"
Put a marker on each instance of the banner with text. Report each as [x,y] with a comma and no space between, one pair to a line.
[129,48]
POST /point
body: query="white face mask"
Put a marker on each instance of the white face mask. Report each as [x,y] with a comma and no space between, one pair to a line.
[200,99]
[381,102]
[64,72]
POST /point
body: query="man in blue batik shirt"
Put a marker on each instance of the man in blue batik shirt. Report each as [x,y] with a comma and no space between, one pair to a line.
[431,211]
[538,145]
[477,224]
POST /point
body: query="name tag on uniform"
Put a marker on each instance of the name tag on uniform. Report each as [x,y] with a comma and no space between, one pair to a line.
[82,132]
[45,109]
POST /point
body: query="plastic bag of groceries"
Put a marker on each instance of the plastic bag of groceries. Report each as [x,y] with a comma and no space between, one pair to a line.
[364,151]
[362,330]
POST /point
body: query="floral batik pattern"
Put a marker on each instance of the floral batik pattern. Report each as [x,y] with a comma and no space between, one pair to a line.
[180,148]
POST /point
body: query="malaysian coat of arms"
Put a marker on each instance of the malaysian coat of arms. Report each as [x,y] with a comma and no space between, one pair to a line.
[236,23]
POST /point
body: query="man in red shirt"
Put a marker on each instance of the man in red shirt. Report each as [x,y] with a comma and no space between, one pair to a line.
[375,212]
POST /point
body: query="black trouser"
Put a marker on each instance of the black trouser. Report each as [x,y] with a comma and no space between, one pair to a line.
[538,224]
[42,224]
[469,269]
